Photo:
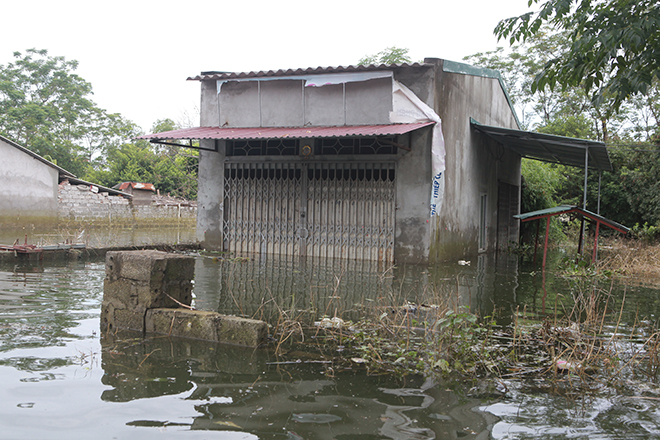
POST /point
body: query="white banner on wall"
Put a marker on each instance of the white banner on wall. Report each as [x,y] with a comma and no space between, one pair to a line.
[408,108]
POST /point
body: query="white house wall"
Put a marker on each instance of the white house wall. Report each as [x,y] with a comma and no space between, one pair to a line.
[29,188]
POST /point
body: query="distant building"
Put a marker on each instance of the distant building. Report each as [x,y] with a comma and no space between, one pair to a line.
[142,192]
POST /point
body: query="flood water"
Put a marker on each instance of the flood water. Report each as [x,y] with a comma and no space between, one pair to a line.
[60,379]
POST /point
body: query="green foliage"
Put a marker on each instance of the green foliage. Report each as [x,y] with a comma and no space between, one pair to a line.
[569,125]
[639,176]
[647,233]
[631,193]
[138,162]
[46,107]
[614,45]
[541,182]
[566,112]
[452,341]
[389,55]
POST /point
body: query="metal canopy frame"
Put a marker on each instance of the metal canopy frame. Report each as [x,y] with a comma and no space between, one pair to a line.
[554,149]
[550,148]
[568,209]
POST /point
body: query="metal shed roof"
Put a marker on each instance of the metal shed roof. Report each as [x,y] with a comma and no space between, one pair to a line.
[567,209]
[206,76]
[550,148]
[284,132]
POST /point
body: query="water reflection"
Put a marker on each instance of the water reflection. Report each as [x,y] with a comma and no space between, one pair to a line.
[251,391]
[264,286]
[55,369]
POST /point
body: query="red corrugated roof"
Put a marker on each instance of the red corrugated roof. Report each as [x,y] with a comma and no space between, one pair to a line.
[137,185]
[285,132]
[205,76]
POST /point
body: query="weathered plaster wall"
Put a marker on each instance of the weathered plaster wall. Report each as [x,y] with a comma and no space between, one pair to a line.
[29,188]
[474,164]
[287,103]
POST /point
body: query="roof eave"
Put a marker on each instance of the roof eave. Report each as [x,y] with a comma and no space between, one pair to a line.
[228,76]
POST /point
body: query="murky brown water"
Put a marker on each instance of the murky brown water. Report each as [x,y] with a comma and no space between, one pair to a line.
[59,380]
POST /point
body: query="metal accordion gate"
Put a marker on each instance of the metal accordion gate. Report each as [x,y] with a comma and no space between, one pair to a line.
[317,209]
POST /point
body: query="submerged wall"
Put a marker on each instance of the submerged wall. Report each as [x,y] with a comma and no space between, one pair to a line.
[77,203]
[151,292]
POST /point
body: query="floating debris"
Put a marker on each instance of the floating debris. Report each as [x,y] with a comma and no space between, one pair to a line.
[335,323]
[316,418]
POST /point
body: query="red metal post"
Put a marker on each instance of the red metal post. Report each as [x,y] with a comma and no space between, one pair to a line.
[593,258]
[547,232]
[536,240]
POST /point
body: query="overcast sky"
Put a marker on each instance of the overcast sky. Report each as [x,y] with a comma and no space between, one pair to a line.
[137,54]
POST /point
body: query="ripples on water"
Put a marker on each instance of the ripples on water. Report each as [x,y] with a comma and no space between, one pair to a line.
[59,380]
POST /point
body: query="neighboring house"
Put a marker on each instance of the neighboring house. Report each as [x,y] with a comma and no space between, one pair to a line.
[142,192]
[29,186]
[36,191]
[393,163]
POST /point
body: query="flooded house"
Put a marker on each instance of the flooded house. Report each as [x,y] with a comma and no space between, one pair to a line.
[392,163]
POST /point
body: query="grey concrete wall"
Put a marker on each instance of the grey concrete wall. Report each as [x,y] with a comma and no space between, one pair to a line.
[474,165]
[414,177]
[28,188]
[413,192]
[210,187]
[210,196]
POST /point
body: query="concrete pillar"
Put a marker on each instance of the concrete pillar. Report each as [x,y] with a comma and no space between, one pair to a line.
[210,196]
[148,291]
[136,281]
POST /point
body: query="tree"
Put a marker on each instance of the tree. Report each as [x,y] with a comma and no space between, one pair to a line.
[546,108]
[172,170]
[389,55]
[47,108]
[628,193]
[614,45]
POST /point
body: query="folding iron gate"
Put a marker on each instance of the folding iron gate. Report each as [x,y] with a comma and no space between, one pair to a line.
[318,209]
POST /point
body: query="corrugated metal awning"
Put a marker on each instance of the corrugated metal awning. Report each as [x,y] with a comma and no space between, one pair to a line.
[550,148]
[216,133]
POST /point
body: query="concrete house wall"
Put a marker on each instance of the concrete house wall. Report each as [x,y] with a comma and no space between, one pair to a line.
[476,168]
[28,187]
